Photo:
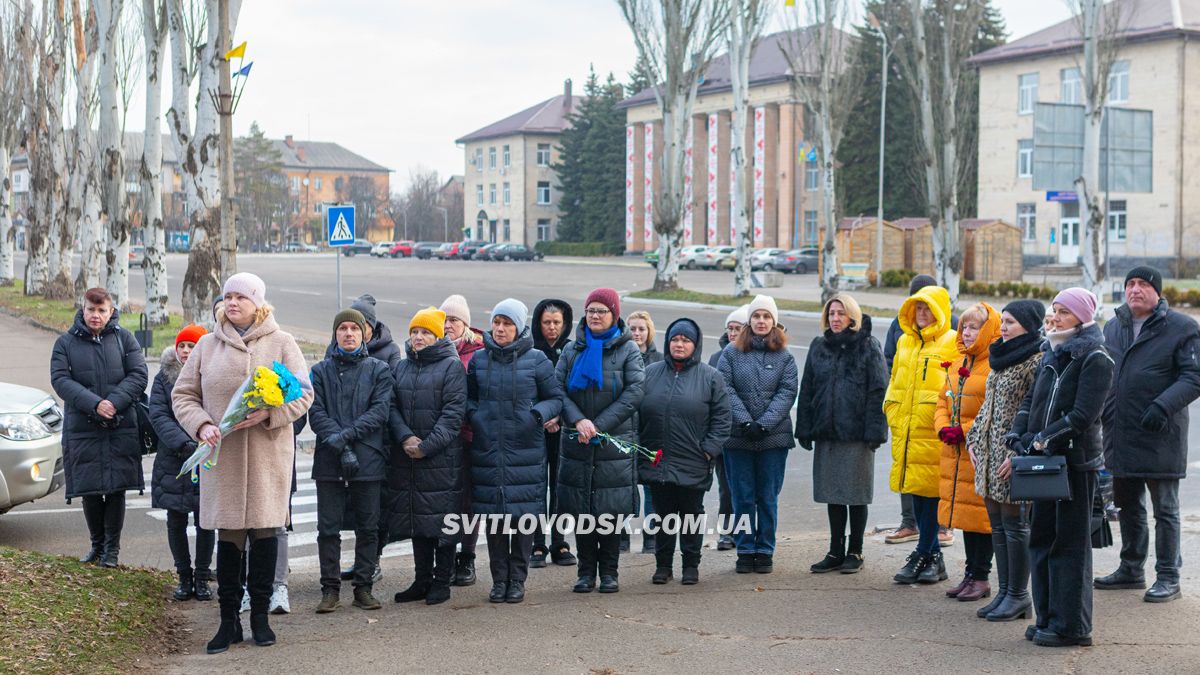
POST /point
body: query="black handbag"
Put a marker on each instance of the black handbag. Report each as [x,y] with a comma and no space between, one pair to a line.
[147,436]
[1040,478]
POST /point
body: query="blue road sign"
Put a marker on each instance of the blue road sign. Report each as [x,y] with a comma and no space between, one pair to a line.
[1061,196]
[339,225]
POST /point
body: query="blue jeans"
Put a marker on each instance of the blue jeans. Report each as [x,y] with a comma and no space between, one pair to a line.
[925,512]
[755,479]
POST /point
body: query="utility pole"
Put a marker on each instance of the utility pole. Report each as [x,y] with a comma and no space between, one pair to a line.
[883,74]
[228,255]
[445,223]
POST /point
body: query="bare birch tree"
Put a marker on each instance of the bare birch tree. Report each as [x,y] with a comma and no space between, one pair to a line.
[13,80]
[45,142]
[676,40]
[83,198]
[154,33]
[818,57]
[746,21]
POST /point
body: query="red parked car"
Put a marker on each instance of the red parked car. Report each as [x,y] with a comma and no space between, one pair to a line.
[447,251]
[401,249]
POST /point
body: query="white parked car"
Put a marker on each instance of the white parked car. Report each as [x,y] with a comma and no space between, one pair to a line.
[764,258]
[689,255]
[383,249]
[31,464]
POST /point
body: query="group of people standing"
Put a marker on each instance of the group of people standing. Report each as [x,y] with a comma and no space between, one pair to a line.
[539,417]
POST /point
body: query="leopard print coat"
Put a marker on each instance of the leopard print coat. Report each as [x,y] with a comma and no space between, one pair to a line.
[1002,399]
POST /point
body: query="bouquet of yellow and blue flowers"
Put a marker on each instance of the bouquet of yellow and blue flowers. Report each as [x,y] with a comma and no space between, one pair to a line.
[267,388]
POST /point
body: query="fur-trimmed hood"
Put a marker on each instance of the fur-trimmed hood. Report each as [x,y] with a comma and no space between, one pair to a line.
[170,365]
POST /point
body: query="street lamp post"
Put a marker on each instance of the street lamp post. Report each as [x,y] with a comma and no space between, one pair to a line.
[885,52]
[445,223]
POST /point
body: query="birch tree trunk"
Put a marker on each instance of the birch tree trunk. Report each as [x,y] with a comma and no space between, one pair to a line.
[48,162]
[112,155]
[7,236]
[83,198]
[745,26]
[1099,51]
[154,31]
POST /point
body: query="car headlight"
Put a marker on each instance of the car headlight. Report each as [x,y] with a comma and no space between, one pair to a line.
[23,427]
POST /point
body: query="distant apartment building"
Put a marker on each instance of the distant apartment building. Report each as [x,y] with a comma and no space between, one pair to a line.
[1157,69]
[510,186]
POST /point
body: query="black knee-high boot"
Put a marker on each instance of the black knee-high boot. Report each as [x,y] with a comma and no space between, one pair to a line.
[114,522]
[229,597]
[260,579]
[93,515]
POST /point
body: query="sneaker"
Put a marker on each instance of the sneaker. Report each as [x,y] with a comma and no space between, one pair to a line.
[329,601]
[279,600]
[945,537]
[725,543]
[745,563]
[364,600]
[763,563]
[829,563]
[853,564]
[563,557]
[245,601]
[902,535]
[538,559]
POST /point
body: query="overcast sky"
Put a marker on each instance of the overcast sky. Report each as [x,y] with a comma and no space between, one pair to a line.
[397,82]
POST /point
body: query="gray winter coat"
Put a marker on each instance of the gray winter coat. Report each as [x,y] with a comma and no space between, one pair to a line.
[174,445]
[762,388]
[597,478]
[100,456]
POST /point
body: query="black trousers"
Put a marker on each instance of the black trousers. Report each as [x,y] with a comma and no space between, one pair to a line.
[509,556]
[599,552]
[331,507]
[105,517]
[177,539]
[1129,494]
[1060,551]
[681,501]
[725,510]
[432,563]
[558,540]
[978,547]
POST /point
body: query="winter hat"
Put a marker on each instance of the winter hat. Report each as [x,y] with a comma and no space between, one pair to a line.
[853,311]
[456,307]
[1028,313]
[431,319]
[686,328]
[514,309]
[365,304]
[763,302]
[740,315]
[190,333]
[351,315]
[920,281]
[607,297]
[1080,302]
[1147,274]
[249,285]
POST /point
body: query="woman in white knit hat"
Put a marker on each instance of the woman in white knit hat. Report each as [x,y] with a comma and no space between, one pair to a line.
[735,323]
[467,340]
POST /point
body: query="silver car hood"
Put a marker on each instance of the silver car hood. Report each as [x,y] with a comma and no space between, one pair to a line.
[15,398]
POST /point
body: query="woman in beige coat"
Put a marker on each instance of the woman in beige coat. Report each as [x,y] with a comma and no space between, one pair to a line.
[245,495]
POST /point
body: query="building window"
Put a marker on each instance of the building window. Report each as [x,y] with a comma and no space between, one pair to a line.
[492,157]
[317,182]
[1117,220]
[507,230]
[1025,158]
[810,228]
[316,208]
[295,183]
[507,157]
[812,175]
[1027,93]
[1071,88]
[543,233]
[492,193]
[337,184]
[479,194]
[1118,82]
[1027,220]
[479,159]
[543,155]
[543,192]
[507,194]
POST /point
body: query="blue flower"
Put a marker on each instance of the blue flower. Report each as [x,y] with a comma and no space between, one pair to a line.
[290,386]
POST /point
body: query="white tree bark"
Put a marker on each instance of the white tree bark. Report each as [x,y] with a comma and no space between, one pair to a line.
[746,21]
[13,69]
[154,31]
[6,228]
[83,198]
[48,161]
[112,154]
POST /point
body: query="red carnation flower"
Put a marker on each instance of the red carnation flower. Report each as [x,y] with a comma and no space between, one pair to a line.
[657,457]
[945,364]
[964,371]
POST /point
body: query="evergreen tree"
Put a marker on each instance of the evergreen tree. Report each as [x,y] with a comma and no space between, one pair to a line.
[591,168]
[261,187]
[640,78]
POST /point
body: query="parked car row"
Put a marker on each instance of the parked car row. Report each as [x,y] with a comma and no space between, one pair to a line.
[426,250]
[798,261]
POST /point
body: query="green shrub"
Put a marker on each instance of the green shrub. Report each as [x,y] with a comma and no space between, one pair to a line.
[588,249]
[898,278]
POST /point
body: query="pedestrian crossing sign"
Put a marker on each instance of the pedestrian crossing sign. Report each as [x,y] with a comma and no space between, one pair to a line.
[339,224]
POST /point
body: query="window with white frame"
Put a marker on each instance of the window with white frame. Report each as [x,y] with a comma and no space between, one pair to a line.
[812,175]
[1025,158]
[506,158]
[1118,82]
[810,228]
[1118,218]
[479,159]
[507,230]
[1070,87]
[543,192]
[543,229]
[295,183]
[317,182]
[543,154]
[479,194]
[492,157]
[1027,93]
[507,194]
[1027,220]
[492,193]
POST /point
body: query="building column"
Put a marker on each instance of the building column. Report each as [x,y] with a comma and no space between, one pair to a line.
[723,174]
[711,190]
[699,164]
[630,193]
[639,187]
[689,213]
[770,171]
[652,149]
[785,184]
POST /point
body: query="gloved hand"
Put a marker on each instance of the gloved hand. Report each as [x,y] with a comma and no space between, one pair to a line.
[760,432]
[337,441]
[188,449]
[1154,419]
[1011,440]
[806,443]
[1015,444]
[349,464]
[747,429]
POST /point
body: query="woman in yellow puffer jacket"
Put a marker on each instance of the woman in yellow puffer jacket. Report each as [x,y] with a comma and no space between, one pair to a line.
[959,402]
[918,376]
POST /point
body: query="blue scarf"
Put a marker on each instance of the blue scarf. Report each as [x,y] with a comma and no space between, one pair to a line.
[589,367]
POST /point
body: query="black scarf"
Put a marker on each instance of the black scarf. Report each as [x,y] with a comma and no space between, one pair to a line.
[1008,353]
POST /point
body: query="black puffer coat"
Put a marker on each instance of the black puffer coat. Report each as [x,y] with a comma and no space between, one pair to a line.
[352,403]
[86,369]
[762,388]
[174,444]
[1159,368]
[430,403]
[651,355]
[597,478]
[552,351]
[511,392]
[381,346]
[1063,407]
[842,390]
[685,413]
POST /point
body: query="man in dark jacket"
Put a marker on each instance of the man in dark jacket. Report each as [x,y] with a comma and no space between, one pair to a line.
[97,369]
[1146,428]
[352,398]
[551,331]
[685,413]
